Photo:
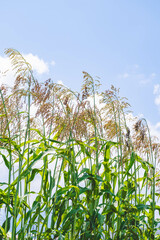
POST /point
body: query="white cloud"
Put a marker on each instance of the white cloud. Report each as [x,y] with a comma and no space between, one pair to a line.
[39,65]
[157,100]
[7,75]
[156,89]
[60,82]
[5,65]
[154,129]
[156,92]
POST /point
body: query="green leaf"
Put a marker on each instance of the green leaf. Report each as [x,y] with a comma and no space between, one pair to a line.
[8,221]
[132,160]
[142,207]
[5,160]
[33,173]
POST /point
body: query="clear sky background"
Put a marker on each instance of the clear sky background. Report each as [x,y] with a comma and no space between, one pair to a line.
[118,41]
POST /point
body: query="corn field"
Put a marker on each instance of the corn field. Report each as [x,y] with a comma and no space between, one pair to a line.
[76,167]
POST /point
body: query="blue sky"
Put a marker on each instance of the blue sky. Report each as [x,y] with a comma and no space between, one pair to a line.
[118,41]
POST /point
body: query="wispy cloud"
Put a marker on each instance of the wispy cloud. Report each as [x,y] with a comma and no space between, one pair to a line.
[124,75]
[53,63]
[146,79]
[156,89]
[133,73]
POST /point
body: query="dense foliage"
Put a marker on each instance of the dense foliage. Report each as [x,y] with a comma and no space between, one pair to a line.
[77,166]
